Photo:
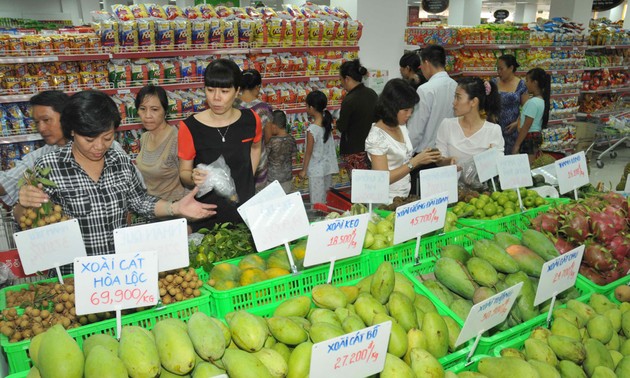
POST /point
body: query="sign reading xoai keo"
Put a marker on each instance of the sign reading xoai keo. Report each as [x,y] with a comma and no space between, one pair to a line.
[353,355]
[420,217]
[572,172]
[115,282]
[335,239]
[559,275]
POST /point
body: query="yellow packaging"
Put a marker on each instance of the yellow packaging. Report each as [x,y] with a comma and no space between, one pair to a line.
[128,34]
[275,31]
[58,81]
[29,83]
[315,32]
[182,32]
[230,33]
[164,34]
[199,32]
[12,84]
[146,32]
[288,38]
[72,82]
[215,33]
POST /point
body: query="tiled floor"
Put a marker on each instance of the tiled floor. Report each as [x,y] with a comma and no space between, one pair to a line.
[611,172]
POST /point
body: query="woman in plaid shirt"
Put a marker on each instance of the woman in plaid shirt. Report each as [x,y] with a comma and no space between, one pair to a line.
[97,184]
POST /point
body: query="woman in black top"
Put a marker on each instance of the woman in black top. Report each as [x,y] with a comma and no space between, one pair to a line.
[356,116]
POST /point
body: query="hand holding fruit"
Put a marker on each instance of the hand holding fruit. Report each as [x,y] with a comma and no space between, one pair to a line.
[427,156]
[32,196]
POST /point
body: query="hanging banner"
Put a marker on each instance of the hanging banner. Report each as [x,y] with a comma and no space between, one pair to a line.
[434,6]
[604,5]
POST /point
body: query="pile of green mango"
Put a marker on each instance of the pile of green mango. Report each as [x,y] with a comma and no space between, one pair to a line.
[585,340]
[463,279]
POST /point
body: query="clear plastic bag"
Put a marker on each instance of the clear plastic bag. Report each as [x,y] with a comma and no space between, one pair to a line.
[219,179]
[6,276]
[468,176]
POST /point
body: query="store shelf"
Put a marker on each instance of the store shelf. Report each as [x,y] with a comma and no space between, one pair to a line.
[560,121]
[558,48]
[19,138]
[615,68]
[275,50]
[136,125]
[610,90]
[295,108]
[184,52]
[52,58]
[601,114]
[497,46]
[611,47]
[298,78]
[562,95]
[16,98]
[565,71]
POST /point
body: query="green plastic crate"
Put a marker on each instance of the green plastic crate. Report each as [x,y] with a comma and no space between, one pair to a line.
[382,213]
[465,366]
[531,213]
[280,288]
[607,289]
[17,353]
[486,343]
[21,374]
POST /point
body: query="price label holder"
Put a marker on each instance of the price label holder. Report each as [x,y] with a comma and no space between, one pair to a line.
[335,239]
[486,165]
[278,222]
[627,188]
[168,238]
[514,173]
[270,192]
[50,246]
[437,180]
[487,314]
[572,173]
[353,355]
[419,218]
[115,282]
[369,187]
[557,276]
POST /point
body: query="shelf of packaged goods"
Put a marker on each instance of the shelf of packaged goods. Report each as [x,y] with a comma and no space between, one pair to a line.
[184,52]
[284,49]
[614,68]
[608,90]
[295,108]
[602,114]
[560,121]
[565,71]
[495,46]
[134,125]
[52,58]
[19,138]
[298,78]
[558,48]
[562,95]
[611,47]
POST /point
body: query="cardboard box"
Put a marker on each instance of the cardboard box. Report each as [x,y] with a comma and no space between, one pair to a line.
[584,131]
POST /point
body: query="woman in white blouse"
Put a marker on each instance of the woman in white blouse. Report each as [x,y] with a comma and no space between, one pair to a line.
[388,144]
[459,139]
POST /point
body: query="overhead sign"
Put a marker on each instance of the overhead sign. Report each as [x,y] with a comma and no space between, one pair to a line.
[420,217]
[168,238]
[49,246]
[335,239]
[558,275]
[115,282]
[356,354]
[514,171]
[604,5]
[278,221]
[437,180]
[434,6]
[501,14]
[572,172]
[369,186]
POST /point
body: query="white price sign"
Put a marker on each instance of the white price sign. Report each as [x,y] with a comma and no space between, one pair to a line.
[115,282]
[278,221]
[486,164]
[487,314]
[559,275]
[335,239]
[270,192]
[168,238]
[514,171]
[420,217]
[437,180]
[572,172]
[627,188]
[369,186]
[353,355]
[49,246]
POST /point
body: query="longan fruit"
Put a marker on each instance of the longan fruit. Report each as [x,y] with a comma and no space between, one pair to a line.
[196,292]
[179,297]
[162,292]
[92,318]
[41,223]
[179,280]
[57,217]
[17,335]
[59,307]
[28,222]
[167,299]
[169,278]
[57,208]
[7,331]
[68,305]
[44,314]
[41,211]
[172,291]
[185,284]
[188,291]
[83,320]
[65,297]
[35,312]
[45,303]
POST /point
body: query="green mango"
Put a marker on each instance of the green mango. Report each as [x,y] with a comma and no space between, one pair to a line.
[324,331]
[505,239]
[563,327]
[436,331]
[424,364]
[108,341]
[396,368]
[482,272]
[600,303]
[206,336]
[286,330]
[456,252]
[402,309]
[205,370]
[567,349]
[596,355]
[328,296]
[495,367]
[296,306]
[569,369]
[176,350]
[545,370]
[383,282]
[300,361]
[138,352]
[248,331]
[103,363]
[241,364]
[600,328]
[440,291]
[495,255]
[273,361]
[58,346]
[603,372]
[539,350]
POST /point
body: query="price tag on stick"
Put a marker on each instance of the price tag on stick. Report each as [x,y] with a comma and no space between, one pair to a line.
[572,173]
[369,186]
[437,180]
[50,246]
[335,239]
[270,192]
[486,165]
[419,218]
[557,276]
[168,238]
[487,314]
[115,282]
[514,173]
[277,222]
[353,355]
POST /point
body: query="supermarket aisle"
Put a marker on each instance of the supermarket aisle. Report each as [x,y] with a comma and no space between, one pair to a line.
[613,168]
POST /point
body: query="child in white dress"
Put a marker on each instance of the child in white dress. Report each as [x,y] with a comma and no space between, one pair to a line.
[320,157]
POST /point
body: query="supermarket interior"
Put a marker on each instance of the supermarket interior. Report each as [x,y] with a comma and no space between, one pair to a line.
[422,188]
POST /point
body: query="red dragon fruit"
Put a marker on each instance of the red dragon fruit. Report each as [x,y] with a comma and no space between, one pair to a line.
[546,222]
[576,227]
[593,275]
[619,247]
[602,227]
[616,199]
[561,244]
[598,257]
[618,218]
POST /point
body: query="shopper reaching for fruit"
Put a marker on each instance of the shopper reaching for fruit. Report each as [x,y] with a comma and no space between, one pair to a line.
[470,133]
[388,145]
[94,183]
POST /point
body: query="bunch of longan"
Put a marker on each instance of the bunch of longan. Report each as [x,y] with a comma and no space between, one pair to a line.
[48,213]
[176,286]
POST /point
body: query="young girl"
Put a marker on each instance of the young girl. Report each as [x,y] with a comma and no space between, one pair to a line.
[535,113]
[281,149]
[320,158]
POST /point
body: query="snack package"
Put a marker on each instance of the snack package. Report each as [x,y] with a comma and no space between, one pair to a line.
[173,11]
[164,34]
[128,34]
[122,12]
[215,33]
[219,179]
[192,13]
[182,33]
[156,11]
[146,32]
[207,11]
[199,32]
[138,11]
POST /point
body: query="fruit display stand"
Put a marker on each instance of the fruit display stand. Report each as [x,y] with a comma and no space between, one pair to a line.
[487,343]
[17,353]
[606,289]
